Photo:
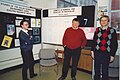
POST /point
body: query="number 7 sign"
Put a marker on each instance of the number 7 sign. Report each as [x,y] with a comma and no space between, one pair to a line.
[86,20]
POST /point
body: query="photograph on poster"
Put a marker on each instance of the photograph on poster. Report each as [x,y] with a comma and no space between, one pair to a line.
[17,42]
[6,41]
[36,31]
[36,39]
[17,31]
[10,29]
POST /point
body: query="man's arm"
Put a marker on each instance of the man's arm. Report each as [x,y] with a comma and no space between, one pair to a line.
[84,40]
[64,39]
[114,46]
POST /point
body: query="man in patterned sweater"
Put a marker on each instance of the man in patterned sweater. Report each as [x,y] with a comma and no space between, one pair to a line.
[104,48]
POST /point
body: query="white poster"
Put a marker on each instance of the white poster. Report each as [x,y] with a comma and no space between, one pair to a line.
[17,22]
[54,28]
[18,29]
[72,11]
[17,42]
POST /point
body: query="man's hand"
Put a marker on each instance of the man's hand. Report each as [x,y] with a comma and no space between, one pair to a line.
[92,54]
[111,58]
[82,47]
[31,37]
[64,46]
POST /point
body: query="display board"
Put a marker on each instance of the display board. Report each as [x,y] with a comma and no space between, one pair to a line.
[55,22]
[10,25]
[52,28]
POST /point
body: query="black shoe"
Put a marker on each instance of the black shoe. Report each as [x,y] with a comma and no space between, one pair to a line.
[73,78]
[61,78]
[33,75]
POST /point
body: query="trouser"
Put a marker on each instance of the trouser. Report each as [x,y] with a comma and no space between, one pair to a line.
[68,54]
[28,63]
[101,65]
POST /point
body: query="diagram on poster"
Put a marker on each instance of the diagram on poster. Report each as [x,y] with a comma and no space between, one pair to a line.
[36,39]
[35,22]
[36,31]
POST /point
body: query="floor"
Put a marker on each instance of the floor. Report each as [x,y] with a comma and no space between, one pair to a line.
[46,74]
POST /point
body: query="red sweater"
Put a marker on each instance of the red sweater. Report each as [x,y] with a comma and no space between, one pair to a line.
[74,38]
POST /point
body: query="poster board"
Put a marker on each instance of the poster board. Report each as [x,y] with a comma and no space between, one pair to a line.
[54,24]
[54,27]
[10,19]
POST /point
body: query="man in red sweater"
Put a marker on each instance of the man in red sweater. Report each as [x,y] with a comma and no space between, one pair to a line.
[73,41]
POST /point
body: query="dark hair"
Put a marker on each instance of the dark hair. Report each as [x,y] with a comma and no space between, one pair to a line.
[21,23]
[75,19]
[105,17]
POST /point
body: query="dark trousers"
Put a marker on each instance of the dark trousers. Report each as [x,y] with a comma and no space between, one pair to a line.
[28,63]
[68,54]
[101,65]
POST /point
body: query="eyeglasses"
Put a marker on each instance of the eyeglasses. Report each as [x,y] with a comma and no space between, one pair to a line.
[26,24]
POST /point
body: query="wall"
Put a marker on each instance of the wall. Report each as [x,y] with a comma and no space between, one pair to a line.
[12,57]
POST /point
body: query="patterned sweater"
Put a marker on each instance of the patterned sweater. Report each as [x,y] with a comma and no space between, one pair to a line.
[105,41]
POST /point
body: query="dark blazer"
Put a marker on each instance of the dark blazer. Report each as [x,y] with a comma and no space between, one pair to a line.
[25,41]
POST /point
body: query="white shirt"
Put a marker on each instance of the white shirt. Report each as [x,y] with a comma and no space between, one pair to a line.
[26,31]
[103,28]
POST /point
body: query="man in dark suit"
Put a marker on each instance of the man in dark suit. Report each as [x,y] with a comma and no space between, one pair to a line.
[26,46]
